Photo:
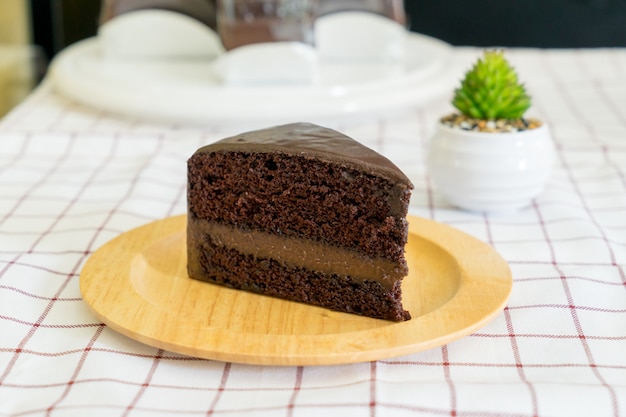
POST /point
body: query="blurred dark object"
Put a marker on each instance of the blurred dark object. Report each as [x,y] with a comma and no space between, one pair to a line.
[202,10]
[532,23]
[252,21]
[393,9]
[58,23]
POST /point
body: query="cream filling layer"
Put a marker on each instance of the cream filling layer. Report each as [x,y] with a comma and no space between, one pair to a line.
[294,252]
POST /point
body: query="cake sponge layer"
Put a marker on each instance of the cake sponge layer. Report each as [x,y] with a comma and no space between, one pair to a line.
[228,267]
[298,196]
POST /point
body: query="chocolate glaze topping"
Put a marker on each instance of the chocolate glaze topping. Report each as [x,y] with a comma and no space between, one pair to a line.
[307,139]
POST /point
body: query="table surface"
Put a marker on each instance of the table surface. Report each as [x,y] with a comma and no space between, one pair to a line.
[72,178]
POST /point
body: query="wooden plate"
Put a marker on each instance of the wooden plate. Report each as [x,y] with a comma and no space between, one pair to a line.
[137,284]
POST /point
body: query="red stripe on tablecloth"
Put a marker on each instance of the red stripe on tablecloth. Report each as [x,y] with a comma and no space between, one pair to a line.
[29,265]
[85,186]
[227,366]
[455,364]
[571,278]
[518,362]
[503,222]
[296,389]
[576,320]
[563,240]
[60,231]
[18,155]
[36,296]
[446,412]
[147,197]
[567,290]
[171,357]
[513,340]
[279,409]
[181,193]
[547,336]
[220,389]
[242,411]
[600,88]
[424,139]
[568,306]
[79,366]
[372,400]
[23,198]
[146,382]
[22,112]
[48,326]
[165,181]
[132,185]
[44,177]
[446,373]
[589,126]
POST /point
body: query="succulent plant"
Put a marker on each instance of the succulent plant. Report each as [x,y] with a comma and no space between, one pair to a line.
[490,90]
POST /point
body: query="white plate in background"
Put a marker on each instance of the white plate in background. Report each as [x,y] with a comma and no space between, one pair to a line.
[187,91]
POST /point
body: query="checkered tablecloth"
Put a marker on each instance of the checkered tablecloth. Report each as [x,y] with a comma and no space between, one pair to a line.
[72,178]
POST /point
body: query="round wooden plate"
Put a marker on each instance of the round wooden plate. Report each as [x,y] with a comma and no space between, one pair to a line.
[137,284]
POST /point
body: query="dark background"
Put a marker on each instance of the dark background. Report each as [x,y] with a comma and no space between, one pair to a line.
[532,23]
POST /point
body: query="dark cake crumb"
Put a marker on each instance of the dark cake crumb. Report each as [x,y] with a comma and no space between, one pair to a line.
[266,276]
[296,196]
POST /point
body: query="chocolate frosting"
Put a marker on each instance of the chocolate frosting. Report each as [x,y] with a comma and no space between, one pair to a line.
[310,140]
[292,251]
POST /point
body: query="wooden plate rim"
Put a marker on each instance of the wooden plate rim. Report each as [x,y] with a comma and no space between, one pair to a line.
[486,284]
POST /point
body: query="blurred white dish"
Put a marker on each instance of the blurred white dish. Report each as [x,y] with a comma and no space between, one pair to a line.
[277,63]
[158,34]
[188,91]
[356,35]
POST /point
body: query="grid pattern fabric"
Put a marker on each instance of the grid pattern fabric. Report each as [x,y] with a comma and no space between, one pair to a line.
[72,178]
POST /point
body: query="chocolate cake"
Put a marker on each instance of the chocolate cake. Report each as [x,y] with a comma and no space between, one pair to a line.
[300,212]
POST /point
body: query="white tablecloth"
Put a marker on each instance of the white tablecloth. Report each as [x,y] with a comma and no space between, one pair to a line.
[72,178]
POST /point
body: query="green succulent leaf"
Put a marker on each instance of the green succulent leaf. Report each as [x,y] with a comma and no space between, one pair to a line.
[491,90]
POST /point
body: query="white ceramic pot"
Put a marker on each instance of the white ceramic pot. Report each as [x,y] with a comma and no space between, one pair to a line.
[490,172]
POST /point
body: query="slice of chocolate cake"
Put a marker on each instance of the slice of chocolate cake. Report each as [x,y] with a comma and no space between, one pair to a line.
[300,212]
